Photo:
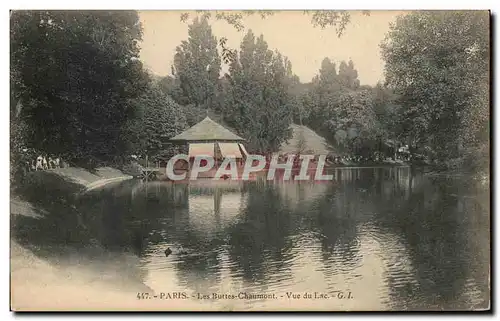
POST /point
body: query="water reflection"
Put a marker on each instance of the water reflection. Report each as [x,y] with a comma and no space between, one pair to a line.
[393,237]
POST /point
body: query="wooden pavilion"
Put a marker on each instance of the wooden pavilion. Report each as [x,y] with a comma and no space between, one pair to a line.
[208,138]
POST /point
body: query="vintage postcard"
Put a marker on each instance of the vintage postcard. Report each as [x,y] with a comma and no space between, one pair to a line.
[250,160]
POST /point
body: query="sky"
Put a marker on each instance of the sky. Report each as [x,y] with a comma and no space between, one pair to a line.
[289,32]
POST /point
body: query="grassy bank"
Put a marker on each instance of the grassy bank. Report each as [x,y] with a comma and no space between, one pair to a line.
[86,179]
[74,178]
[54,195]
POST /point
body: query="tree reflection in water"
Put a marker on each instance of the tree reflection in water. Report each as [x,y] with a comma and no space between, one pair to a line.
[436,226]
[412,241]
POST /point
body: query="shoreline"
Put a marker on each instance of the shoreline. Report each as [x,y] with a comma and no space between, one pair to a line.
[80,177]
[75,180]
[32,275]
[106,181]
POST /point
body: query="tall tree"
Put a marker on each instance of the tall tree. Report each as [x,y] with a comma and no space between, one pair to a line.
[355,116]
[323,96]
[388,113]
[328,77]
[341,110]
[438,62]
[258,101]
[197,65]
[73,73]
[296,92]
[348,75]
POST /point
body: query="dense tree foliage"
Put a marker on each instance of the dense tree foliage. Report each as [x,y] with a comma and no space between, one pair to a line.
[197,65]
[160,118]
[78,89]
[342,111]
[254,98]
[258,104]
[438,65]
[73,74]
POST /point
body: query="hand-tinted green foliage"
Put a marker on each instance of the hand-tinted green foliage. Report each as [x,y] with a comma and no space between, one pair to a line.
[438,64]
[74,73]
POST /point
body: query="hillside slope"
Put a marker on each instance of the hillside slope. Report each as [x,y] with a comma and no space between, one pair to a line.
[305,140]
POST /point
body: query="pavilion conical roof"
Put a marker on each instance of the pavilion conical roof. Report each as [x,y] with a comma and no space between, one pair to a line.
[207,130]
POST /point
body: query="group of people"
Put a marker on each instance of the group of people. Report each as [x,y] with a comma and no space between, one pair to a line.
[41,162]
[348,159]
[44,162]
[333,159]
[376,157]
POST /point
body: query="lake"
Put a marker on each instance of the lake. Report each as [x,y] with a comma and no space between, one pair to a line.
[372,239]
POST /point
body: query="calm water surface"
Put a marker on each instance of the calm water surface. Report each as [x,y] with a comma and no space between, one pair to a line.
[391,238]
